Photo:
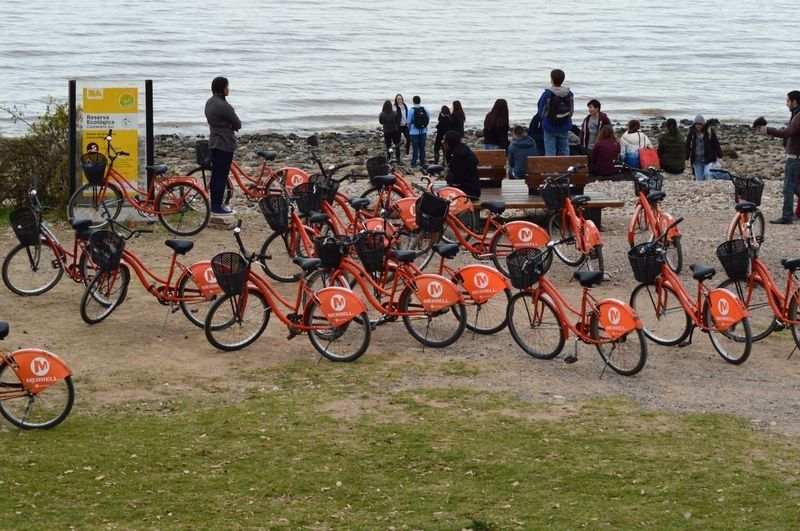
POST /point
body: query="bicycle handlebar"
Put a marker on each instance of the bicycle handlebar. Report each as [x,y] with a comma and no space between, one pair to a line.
[649,247]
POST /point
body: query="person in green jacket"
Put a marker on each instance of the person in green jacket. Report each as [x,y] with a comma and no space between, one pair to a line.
[671,149]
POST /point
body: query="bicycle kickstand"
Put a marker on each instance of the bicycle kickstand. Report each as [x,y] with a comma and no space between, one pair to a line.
[572,359]
[687,341]
[792,352]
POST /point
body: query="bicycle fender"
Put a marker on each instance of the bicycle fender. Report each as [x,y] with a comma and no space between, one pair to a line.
[482,282]
[340,305]
[204,277]
[407,209]
[617,318]
[459,202]
[666,219]
[592,234]
[293,177]
[726,308]
[526,234]
[379,225]
[38,369]
[436,292]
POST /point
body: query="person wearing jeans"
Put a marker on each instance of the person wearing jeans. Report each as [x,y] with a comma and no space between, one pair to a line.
[702,149]
[556,122]
[791,138]
[223,124]
[418,136]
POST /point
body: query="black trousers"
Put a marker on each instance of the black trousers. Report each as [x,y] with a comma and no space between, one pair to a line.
[392,138]
[220,167]
[407,135]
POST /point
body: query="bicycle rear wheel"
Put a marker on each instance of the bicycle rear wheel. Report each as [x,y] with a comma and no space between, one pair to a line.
[232,324]
[183,208]
[32,269]
[665,321]
[105,292]
[282,248]
[195,307]
[735,343]
[569,254]
[490,316]
[433,329]
[34,411]
[373,193]
[88,200]
[537,329]
[343,343]
[759,312]
[626,355]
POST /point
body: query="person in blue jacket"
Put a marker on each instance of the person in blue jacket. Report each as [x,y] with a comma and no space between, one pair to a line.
[520,149]
[419,135]
[556,107]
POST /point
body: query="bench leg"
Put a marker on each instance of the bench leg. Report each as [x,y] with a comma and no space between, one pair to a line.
[594,214]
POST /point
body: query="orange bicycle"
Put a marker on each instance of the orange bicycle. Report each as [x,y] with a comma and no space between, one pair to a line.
[749,222]
[36,389]
[181,205]
[539,322]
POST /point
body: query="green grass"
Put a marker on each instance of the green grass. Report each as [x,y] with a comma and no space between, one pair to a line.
[347,447]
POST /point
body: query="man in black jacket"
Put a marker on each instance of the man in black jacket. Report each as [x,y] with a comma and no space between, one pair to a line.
[223,124]
[462,165]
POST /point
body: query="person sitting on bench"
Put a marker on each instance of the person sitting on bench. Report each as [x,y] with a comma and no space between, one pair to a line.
[462,165]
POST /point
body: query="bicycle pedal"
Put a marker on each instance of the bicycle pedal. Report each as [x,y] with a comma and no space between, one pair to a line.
[779,326]
[292,335]
[569,360]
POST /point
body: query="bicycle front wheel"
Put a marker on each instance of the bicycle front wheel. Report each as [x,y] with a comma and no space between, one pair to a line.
[490,316]
[105,292]
[233,323]
[537,328]
[338,343]
[662,314]
[675,254]
[436,329]
[32,269]
[735,343]
[29,411]
[183,208]
[626,355]
[88,200]
[557,229]
[759,312]
[281,248]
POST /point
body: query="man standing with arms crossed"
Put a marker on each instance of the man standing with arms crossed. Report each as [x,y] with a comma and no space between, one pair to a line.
[791,141]
[223,124]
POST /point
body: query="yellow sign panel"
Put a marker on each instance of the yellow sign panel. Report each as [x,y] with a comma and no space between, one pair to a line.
[115,109]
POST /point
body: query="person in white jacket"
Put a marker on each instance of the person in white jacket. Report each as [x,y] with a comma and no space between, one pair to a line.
[631,141]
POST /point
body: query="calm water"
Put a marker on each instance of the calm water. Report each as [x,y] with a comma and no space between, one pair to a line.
[306,64]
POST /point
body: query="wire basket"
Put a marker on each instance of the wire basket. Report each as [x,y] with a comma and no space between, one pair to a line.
[25,223]
[377,166]
[331,249]
[370,248]
[648,184]
[328,190]
[646,260]
[307,197]
[734,255]
[526,266]
[275,209]
[555,192]
[748,189]
[94,167]
[105,249]
[431,212]
[202,153]
[231,272]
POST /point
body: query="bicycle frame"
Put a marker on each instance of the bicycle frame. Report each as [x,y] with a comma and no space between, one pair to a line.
[586,234]
[69,260]
[656,220]
[164,289]
[778,300]
[740,224]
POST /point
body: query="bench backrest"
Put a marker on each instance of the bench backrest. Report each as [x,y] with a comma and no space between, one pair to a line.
[540,168]
[491,164]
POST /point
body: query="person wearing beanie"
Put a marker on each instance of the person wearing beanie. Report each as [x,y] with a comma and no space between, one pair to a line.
[702,149]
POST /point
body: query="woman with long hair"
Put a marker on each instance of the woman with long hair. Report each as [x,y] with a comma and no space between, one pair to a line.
[671,149]
[605,152]
[495,126]
[457,118]
[390,121]
[442,126]
[401,109]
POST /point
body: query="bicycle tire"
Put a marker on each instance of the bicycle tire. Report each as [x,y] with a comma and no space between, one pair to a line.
[758,228]
[675,260]
[644,298]
[742,336]
[594,260]
[28,261]
[759,312]
[86,268]
[221,320]
[469,219]
[372,210]
[82,207]
[491,326]
[606,350]
[279,266]
[105,292]
[322,340]
[443,316]
[545,314]
[18,411]
[794,317]
[202,182]
[195,309]
[422,242]
[557,232]
[192,207]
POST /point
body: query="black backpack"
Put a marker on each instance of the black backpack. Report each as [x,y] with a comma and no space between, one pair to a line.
[559,109]
[420,118]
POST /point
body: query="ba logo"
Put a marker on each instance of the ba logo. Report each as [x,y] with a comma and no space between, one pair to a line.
[525,235]
[614,316]
[723,307]
[209,277]
[94,94]
[481,280]
[297,179]
[435,290]
[338,302]
[40,366]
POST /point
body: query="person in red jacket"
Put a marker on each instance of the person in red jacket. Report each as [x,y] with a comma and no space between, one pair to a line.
[592,124]
[605,153]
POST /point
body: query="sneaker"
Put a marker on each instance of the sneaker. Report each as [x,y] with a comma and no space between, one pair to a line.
[223,210]
[781,221]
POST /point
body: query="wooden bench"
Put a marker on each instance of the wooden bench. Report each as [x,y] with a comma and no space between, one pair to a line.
[491,167]
[540,168]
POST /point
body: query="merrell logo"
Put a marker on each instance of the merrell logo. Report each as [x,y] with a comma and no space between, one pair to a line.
[435,290]
[481,280]
[40,366]
[614,316]
[525,235]
[338,302]
[297,179]
[723,307]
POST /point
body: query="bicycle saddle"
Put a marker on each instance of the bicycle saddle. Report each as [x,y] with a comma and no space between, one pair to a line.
[180,246]
[384,180]
[746,206]
[3,330]
[656,195]
[267,155]
[701,272]
[588,279]
[791,264]
[446,250]
[433,169]
[157,169]
[580,200]
[318,217]
[359,202]
[80,224]
[495,207]
[307,264]
[405,257]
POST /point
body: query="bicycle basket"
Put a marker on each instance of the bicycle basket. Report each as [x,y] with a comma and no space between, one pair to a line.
[105,249]
[307,197]
[231,272]
[275,209]
[202,153]
[370,248]
[94,167]
[331,249]
[555,192]
[431,212]
[377,166]
[25,223]
[748,189]
[734,255]
[646,260]
[648,184]
[526,266]
[329,190]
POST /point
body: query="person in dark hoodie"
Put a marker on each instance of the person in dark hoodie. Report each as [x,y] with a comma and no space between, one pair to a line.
[556,107]
[592,124]
[457,118]
[462,165]
[520,149]
[536,132]
[390,121]
[442,126]
[702,149]
[223,124]
[671,150]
